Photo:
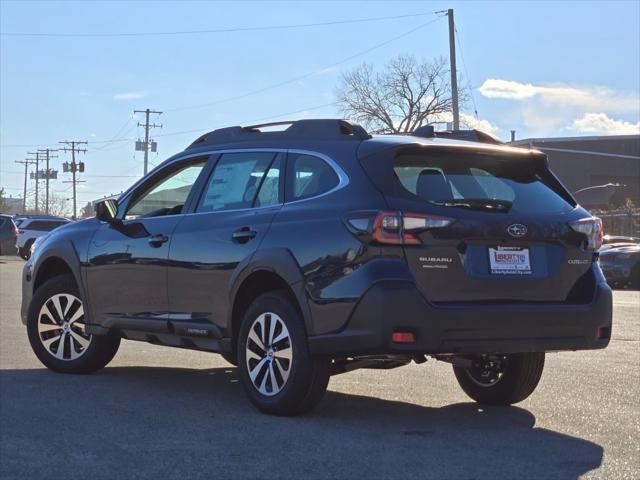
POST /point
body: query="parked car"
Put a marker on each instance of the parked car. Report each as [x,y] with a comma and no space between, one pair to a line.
[609,239]
[621,265]
[8,234]
[320,249]
[32,227]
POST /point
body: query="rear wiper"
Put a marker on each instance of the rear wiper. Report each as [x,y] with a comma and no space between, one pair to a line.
[487,204]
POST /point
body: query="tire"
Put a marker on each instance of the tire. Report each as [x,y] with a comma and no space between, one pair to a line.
[634,279]
[25,252]
[519,377]
[79,352]
[305,378]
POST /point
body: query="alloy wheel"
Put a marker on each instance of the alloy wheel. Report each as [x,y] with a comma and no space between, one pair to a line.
[487,370]
[269,354]
[61,327]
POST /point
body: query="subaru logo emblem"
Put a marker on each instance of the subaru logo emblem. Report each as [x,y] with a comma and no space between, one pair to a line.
[517,230]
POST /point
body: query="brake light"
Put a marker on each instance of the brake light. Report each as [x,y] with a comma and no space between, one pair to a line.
[402,228]
[590,227]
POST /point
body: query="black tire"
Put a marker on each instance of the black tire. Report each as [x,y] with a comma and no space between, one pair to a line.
[520,377]
[308,376]
[100,350]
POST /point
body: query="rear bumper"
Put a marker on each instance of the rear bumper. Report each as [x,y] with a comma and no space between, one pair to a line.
[396,305]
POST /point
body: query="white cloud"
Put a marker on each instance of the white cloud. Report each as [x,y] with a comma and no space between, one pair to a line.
[601,123]
[127,96]
[550,109]
[468,121]
[590,98]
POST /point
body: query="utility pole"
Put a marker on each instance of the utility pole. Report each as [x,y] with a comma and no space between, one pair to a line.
[73,167]
[26,164]
[48,174]
[147,126]
[34,176]
[454,75]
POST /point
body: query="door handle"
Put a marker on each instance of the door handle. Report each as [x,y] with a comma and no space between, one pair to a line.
[244,234]
[157,240]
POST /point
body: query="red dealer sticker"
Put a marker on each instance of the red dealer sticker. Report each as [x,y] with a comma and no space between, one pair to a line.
[509,261]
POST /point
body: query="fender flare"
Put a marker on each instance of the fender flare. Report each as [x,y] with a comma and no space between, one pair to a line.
[281,262]
[66,252]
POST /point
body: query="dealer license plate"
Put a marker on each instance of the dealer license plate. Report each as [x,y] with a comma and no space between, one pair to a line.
[509,261]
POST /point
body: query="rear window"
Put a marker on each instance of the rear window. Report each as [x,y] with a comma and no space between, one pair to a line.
[481,182]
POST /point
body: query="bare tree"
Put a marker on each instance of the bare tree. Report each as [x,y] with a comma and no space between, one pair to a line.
[58,205]
[404,96]
[87,211]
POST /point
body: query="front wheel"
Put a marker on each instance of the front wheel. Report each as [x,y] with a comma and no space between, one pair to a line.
[25,252]
[57,330]
[501,379]
[276,368]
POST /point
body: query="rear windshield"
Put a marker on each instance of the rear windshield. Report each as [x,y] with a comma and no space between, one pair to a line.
[481,182]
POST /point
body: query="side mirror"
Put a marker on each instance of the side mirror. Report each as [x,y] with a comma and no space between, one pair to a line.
[106,210]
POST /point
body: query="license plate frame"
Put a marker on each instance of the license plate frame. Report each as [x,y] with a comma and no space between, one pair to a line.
[509,261]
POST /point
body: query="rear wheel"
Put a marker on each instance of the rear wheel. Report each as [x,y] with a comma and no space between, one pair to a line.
[501,379]
[57,330]
[275,365]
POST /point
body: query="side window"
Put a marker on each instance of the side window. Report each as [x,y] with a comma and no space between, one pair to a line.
[270,192]
[310,176]
[168,195]
[36,225]
[235,181]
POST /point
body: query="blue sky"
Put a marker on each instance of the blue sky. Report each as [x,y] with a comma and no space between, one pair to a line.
[541,68]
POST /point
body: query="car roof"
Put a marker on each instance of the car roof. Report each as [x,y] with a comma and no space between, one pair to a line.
[42,217]
[331,135]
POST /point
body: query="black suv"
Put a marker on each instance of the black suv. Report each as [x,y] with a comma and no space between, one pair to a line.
[319,249]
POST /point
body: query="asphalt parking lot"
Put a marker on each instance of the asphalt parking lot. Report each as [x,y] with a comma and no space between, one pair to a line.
[166,413]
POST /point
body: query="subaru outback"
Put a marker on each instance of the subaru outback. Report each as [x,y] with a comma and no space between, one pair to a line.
[319,249]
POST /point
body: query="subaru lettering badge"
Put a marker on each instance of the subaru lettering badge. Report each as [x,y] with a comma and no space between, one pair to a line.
[517,230]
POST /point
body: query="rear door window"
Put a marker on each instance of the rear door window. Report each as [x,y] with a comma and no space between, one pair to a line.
[270,192]
[480,182]
[236,179]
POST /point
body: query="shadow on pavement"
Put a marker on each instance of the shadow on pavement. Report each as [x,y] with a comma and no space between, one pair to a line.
[166,423]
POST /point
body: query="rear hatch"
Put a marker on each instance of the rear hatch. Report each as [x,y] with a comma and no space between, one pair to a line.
[485,225]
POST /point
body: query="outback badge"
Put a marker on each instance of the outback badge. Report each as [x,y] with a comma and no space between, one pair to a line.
[517,230]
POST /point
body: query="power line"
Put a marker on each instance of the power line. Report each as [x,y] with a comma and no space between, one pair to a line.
[308,74]
[196,130]
[219,30]
[253,92]
[466,72]
[119,131]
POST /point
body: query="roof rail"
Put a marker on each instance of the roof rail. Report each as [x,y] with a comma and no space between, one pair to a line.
[468,135]
[315,129]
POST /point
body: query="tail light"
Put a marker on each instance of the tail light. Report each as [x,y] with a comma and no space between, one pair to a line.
[16,231]
[590,227]
[402,228]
